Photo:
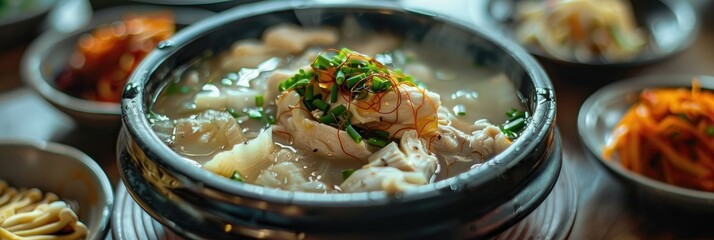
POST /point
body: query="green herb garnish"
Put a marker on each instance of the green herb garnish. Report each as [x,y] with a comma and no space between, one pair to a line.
[347,173]
[259,100]
[353,134]
[516,123]
[237,177]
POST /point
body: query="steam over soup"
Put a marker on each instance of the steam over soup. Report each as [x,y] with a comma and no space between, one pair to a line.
[303,110]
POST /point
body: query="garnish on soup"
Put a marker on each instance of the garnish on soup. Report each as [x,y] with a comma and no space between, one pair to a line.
[668,136]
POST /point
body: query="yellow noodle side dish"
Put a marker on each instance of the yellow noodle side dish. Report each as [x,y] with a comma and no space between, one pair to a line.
[29,214]
[581,30]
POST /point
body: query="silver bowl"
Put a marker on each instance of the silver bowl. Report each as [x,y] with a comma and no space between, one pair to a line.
[479,203]
[49,54]
[603,110]
[65,171]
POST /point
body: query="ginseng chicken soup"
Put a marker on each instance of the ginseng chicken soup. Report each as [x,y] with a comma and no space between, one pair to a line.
[329,111]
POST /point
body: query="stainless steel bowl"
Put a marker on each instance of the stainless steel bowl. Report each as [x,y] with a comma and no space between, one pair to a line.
[603,110]
[65,171]
[49,54]
[478,203]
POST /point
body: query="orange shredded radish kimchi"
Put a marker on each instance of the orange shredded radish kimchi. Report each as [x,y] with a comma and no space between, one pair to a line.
[669,136]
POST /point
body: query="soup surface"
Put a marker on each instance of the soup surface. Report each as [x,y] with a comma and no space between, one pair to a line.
[322,111]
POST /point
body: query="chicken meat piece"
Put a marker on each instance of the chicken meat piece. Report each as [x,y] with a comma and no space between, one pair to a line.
[294,39]
[202,134]
[247,157]
[306,133]
[408,107]
[248,54]
[411,155]
[388,179]
[484,142]
[288,176]
[394,169]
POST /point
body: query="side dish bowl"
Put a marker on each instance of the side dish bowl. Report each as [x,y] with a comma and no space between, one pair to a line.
[479,203]
[23,21]
[49,54]
[65,171]
[670,26]
[602,111]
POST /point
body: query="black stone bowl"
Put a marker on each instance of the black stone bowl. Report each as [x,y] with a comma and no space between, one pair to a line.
[479,203]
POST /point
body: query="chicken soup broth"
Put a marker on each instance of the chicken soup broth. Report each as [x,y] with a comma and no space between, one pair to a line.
[304,110]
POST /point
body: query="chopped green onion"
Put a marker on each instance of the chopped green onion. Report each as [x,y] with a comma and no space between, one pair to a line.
[237,177]
[333,93]
[353,134]
[184,90]
[338,59]
[515,113]
[515,125]
[309,92]
[233,112]
[377,142]
[308,104]
[152,115]
[322,62]
[357,62]
[361,95]
[259,100]
[460,109]
[338,111]
[709,131]
[319,104]
[406,78]
[301,82]
[380,85]
[327,119]
[508,133]
[255,113]
[340,77]
[378,134]
[174,88]
[270,119]
[347,173]
[352,81]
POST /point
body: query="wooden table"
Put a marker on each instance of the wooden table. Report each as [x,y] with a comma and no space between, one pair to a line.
[606,209]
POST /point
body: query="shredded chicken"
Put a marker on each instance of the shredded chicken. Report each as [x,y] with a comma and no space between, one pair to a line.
[310,134]
[294,39]
[246,157]
[203,134]
[415,165]
[288,176]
